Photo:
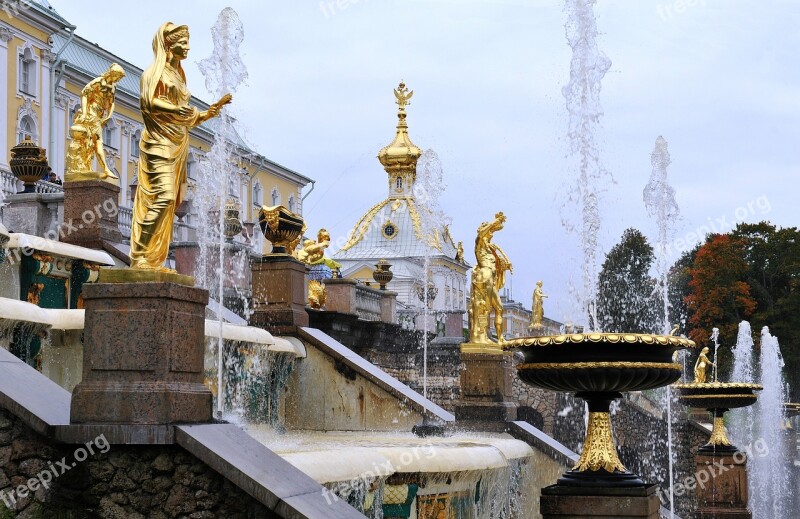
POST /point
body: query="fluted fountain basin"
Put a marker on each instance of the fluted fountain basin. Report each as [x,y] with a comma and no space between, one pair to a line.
[598,367]
[718,397]
[598,362]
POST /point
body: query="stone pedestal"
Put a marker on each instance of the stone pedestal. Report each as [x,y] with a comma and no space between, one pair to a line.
[486,390]
[562,502]
[37,214]
[143,355]
[90,213]
[279,294]
[721,487]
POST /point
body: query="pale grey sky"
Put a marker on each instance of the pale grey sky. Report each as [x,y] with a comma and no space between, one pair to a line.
[719,79]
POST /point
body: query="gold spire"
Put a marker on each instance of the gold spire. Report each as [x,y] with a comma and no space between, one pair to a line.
[399,158]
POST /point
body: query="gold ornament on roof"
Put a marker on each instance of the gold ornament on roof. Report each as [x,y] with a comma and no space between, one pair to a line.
[399,158]
[86,132]
[488,278]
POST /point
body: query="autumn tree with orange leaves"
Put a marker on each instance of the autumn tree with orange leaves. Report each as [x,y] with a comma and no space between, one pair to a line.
[719,295]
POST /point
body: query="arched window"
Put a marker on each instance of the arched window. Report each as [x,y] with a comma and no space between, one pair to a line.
[27,128]
[27,72]
[291,204]
[399,183]
[276,196]
[135,138]
[258,194]
[110,135]
[231,188]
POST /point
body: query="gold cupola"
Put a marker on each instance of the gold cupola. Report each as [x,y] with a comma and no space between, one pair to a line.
[399,158]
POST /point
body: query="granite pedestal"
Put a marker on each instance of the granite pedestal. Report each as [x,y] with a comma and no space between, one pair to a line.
[721,487]
[486,391]
[143,355]
[90,213]
[279,294]
[563,502]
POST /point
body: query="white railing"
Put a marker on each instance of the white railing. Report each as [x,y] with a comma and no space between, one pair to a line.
[368,303]
[11,186]
[124,219]
[48,187]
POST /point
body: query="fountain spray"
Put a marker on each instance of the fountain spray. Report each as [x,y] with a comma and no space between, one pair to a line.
[582,94]
[224,72]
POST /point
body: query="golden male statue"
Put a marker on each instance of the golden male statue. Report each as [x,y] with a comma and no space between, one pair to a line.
[86,132]
[488,277]
[164,148]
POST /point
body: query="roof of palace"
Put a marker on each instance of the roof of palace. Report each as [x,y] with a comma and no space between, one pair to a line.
[417,231]
[368,239]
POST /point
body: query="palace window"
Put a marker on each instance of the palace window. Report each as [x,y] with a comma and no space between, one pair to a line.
[27,72]
[135,138]
[27,128]
[258,194]
[399,183]
[276,196]
[110,135]
[291,204]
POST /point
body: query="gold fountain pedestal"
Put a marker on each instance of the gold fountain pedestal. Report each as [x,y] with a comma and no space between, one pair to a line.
[599,367]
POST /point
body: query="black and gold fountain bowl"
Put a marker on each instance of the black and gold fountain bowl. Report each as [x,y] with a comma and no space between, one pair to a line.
[718,398]
[791,409]
[599,367]
[281,227]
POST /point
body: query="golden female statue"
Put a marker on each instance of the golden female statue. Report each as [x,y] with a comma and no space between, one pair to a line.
[538,306]
[86,132]
[701,366]
[164,147]
[488,278]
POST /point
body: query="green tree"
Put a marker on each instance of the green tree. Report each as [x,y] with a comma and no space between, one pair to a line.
[626,300]
[678,288]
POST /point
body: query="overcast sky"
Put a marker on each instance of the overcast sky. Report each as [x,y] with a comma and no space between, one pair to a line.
[719,79]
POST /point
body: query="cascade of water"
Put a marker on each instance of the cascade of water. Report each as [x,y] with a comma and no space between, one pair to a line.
[427,192]
[582,94]
[659,200]
[769,474]
[224,71]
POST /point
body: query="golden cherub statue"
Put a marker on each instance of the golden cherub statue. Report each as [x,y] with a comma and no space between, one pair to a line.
[313,252]
[488,277]
[164,148]
[701,366]
[86,132]
[537,311]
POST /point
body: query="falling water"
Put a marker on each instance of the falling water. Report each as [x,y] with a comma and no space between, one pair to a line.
[742,419]
[769,474]
[659,200]
[427,192]
[582,94]
[224,72]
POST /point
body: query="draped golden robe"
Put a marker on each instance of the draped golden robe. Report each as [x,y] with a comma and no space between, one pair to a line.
[164,151]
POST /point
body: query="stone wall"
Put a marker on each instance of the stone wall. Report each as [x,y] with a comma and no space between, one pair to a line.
[399,353]
[124,482]
[642,444]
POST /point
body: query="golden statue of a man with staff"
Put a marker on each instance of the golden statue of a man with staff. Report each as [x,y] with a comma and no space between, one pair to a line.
[164,148]
[488,277]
